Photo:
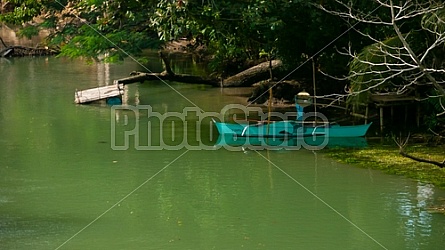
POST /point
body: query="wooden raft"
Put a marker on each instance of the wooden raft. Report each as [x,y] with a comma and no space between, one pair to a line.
[98,93]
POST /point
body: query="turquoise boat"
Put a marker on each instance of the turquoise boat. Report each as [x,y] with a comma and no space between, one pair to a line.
[290,129]
[293,128]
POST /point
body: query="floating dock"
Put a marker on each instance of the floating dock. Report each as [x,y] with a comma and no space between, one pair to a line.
[99,93]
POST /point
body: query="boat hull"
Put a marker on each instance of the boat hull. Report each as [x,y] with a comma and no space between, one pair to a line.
[290,129]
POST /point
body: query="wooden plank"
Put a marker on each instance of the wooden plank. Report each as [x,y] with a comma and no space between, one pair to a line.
[359,115]
[99,93]
[384,99]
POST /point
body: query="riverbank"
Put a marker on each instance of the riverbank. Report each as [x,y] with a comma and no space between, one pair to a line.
[386,157]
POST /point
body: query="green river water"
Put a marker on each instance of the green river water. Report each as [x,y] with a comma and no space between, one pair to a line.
[63,184]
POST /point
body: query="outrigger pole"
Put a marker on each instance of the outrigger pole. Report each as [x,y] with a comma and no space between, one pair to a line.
[315,91]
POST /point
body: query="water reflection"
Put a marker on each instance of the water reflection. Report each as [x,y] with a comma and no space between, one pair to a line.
[103,74]
[237,143]
[415,219]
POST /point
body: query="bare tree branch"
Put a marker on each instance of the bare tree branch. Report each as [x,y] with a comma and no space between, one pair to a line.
[402,144]
[393,65]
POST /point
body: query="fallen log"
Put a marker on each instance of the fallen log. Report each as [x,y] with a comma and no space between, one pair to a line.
[245,78]
[164,76]
[18,51]
[167,75]
[253,75]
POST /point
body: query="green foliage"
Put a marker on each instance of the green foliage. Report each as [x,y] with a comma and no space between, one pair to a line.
[237,31]
[111,47]
[388,66]
[24,11]
[169,20]
[433,106]
[95,29]
[370,68]
[28,31]
[233,31]
[369,62]
[434,21]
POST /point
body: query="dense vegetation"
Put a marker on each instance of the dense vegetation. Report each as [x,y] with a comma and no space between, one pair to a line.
[377,46]
[233,31]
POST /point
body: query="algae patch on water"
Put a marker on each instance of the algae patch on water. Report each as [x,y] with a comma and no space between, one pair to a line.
[388,159]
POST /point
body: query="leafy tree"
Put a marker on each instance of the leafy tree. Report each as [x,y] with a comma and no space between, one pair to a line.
[90,28]
[237,31]
[225,28]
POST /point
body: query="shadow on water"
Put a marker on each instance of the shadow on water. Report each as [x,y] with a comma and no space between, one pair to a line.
[296,143]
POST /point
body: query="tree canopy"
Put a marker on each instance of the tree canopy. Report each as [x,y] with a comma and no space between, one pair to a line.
[378,45]
[88,28]
[233,31]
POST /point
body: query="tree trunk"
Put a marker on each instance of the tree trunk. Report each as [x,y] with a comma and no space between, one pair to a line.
[252,75]
[166,62]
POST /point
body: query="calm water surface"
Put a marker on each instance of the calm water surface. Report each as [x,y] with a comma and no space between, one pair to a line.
[62,186]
